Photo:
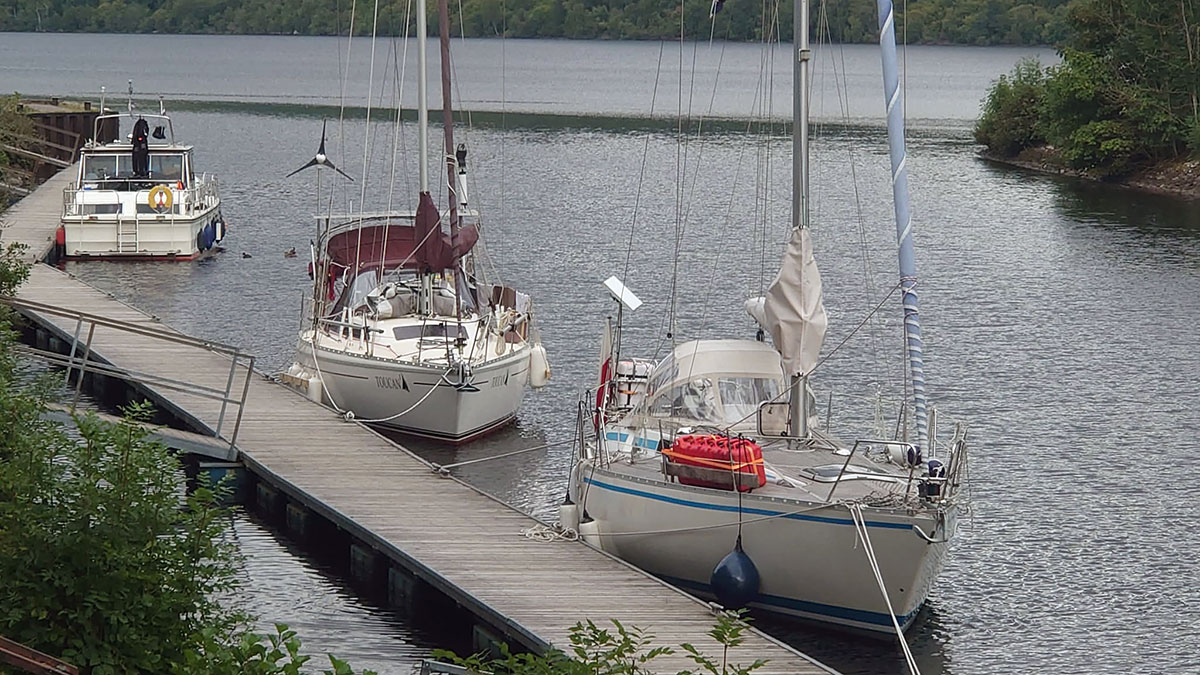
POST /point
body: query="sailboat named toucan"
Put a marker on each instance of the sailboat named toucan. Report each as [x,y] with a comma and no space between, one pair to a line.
[402,328]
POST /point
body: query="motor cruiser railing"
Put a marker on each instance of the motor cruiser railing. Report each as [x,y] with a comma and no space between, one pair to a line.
[80,360]
[118,116]
[201,195]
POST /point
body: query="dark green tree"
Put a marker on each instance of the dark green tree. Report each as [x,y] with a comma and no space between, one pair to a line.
[928,21]
[1124,96]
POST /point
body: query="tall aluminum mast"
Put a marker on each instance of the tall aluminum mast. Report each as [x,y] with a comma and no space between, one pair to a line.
[422,102]
[798,410]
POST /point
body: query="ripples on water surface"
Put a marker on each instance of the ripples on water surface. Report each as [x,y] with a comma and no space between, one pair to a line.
[1060,322]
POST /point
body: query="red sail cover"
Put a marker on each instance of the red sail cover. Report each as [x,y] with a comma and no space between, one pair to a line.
[436,250]
[423,246]
[718,452]
[366,245]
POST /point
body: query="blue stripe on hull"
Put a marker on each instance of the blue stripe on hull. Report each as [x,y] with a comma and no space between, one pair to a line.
[744,509]
[791,606]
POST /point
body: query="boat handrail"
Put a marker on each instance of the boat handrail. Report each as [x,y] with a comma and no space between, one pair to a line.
[863,441]
[201,194]
[204,190]
[74,207]
[131,115]
[351,325]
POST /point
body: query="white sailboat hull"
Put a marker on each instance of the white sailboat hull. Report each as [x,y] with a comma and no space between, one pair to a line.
[398,394]
[811,563]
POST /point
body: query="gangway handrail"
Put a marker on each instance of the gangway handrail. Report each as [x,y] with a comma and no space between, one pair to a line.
[30,660]
[80,362]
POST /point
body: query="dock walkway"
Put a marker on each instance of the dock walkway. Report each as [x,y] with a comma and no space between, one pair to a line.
[447,533]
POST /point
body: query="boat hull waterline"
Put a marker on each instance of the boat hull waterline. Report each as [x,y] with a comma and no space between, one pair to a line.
[808,554]
[167,239]
[381,389]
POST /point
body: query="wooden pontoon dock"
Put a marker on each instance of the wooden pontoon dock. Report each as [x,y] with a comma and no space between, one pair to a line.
[435,529]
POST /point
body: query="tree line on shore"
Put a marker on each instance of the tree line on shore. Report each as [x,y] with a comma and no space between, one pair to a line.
[1123,98]
[974,22]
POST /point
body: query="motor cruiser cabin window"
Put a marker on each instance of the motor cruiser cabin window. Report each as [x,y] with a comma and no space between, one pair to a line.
[741,396]
[100,167]
[166,167]
[695,400]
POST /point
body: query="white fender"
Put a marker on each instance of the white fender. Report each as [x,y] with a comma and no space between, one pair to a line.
[315,391]
[589,531]
[568,517]
[539,367]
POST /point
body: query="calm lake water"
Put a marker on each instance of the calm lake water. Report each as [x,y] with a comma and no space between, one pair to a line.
[1060,318]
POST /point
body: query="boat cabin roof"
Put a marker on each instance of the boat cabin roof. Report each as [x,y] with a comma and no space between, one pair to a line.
[122,148]
[717,382]
[161,132]
[716,358]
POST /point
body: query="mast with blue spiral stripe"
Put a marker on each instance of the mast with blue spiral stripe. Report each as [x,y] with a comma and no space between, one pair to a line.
[904,227]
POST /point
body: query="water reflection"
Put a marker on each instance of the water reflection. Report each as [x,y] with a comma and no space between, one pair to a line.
[528,481]
[285,583]
[868,653]
[1109,205]
[1090,202]
[1060,321]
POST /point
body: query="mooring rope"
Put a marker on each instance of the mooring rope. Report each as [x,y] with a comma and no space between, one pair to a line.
[860,526]
[445,468]
[548,533]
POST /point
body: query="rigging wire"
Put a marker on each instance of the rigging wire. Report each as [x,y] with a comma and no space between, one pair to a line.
[761,225]
[679,178]
[480,251]
[637,199]
[827,356]
[683,196]
[342,95]
[683,127]
[397,134]
[727,227]
[362,197]
[843,96]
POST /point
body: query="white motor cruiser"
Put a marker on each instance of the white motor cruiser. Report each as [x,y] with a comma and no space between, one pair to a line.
[139,196]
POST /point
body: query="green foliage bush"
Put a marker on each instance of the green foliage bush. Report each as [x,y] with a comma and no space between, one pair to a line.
[106,560]
[1125,94]
[618,651]
[1106,146]
[1010,121]
[15,130]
